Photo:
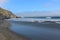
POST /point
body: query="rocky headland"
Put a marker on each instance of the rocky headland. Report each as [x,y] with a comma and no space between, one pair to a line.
[5,33]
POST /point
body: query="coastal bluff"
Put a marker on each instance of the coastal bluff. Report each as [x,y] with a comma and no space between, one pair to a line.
[6,14]
[5,33]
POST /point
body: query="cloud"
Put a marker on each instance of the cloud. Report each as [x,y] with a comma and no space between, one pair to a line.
[48,4]
[2,2]
[51,3]
[40,13]
[55,0]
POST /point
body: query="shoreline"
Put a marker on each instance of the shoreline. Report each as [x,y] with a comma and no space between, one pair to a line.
[7,34]
[37,24]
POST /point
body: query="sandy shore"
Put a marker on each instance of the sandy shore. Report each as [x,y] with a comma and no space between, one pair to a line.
[6,34]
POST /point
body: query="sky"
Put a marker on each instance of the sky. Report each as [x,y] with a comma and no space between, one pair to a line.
[41,6]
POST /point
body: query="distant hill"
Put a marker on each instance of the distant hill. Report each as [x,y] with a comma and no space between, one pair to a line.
[6,13]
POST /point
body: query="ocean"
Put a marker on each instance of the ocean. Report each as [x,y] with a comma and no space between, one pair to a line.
[34,19]
[28,27]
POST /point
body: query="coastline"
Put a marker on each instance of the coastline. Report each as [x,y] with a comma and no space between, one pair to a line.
[6,34]
[37,24]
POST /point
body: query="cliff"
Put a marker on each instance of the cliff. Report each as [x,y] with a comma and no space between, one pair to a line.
[6,14]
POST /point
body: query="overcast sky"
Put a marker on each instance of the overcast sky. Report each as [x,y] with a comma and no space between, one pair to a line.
[41,7]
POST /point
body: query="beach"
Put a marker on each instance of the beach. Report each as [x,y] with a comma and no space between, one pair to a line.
[6,34]
[36,31]
[24,30]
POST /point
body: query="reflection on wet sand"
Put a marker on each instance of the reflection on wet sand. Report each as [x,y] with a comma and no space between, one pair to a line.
[6,34]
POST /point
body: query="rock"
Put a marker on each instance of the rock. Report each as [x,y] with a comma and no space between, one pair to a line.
[49,22]
[6,14]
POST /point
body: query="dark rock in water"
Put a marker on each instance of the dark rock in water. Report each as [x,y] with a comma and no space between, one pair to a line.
[49,22]
[18,17]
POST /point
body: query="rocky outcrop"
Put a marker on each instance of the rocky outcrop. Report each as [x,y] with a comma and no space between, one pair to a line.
[6,13]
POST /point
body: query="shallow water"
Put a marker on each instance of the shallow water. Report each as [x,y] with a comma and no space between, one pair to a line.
[34,32]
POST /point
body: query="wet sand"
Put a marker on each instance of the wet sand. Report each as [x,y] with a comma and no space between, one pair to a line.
[37,31]
[6,34]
